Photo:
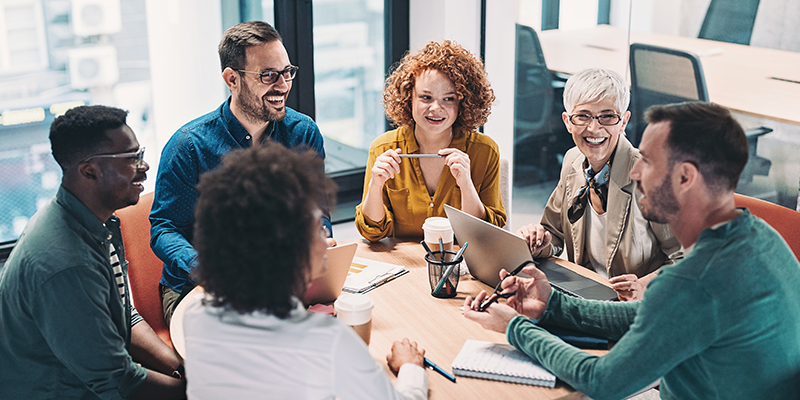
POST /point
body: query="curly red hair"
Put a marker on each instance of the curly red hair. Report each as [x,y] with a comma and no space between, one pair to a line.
[465,70]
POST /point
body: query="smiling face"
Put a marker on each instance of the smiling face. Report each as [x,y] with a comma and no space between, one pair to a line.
[119,181]
[653,175]
[258,102]
[434,104]
[596,142]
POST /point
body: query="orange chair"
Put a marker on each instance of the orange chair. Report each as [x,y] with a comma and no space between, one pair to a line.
[144,268]
[785,220]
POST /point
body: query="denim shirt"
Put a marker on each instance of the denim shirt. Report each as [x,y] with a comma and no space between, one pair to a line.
[64,331]
[195,148]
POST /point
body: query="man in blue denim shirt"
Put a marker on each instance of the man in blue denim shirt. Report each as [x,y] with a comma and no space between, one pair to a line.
[256,68]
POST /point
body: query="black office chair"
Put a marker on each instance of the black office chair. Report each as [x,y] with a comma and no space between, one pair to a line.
[730,21]
[661,75]
[539,134]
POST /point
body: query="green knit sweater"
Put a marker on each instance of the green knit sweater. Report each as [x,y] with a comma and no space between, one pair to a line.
[723,323]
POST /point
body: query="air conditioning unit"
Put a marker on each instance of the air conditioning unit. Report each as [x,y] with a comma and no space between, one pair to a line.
[93,66]
[96,17]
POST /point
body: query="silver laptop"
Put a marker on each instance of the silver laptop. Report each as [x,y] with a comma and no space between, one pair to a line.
[492,248]
[326,288]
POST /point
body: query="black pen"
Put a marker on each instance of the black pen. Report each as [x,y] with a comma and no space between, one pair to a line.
[431,365]
[487,303]
[428,249]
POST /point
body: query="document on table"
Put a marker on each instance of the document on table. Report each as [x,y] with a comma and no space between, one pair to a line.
[365,274]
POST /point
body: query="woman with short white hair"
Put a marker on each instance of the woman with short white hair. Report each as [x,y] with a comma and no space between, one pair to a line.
[593,212]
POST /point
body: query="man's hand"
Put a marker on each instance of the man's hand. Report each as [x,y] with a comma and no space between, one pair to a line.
[537,237]
[495,318]
[532,293]
[403,352]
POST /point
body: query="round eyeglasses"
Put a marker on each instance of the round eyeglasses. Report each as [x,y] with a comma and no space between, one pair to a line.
[270,77]
[137,157]
[603,119]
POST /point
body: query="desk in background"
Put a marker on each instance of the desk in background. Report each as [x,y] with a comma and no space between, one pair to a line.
[739,77]
[405,308]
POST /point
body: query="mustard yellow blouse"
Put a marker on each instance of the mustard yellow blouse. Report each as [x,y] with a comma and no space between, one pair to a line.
[405,198]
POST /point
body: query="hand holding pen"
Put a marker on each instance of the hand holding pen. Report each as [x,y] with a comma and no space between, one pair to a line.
[497,289]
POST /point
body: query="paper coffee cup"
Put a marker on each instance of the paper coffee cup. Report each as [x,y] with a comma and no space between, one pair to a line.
[435,227]
[355,310]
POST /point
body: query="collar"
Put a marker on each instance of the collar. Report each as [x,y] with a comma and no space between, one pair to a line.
[459,140]
[235,127]
[625,155]
[84,216]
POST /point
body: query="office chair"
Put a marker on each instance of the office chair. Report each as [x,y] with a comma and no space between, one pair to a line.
[730,21]
[660,75]
[539,134]
[144,268]
[784,220]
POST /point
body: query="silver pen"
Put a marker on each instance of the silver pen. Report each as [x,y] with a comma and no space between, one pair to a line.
[421,155]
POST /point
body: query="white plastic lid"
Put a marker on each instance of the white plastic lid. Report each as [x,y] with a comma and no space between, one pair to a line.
[353,309]
[435,227]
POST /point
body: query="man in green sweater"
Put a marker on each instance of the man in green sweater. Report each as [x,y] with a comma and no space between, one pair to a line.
[723,323]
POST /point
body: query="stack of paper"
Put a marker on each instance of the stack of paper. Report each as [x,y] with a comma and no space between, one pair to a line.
[366,275]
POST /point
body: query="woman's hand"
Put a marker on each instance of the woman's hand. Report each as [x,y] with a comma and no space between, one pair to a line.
[458,161]
[403,352]
[385,166]
[537,237]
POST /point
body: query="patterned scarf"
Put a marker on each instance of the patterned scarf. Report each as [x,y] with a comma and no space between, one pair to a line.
[597,182]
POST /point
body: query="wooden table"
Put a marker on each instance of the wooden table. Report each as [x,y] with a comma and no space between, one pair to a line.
[405,308]
[741,78]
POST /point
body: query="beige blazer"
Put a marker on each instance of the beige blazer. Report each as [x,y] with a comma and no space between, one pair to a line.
[634,245]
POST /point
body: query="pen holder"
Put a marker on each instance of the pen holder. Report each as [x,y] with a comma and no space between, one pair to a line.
[438,267]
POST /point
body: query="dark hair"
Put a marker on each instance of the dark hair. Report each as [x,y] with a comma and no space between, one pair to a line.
[233,46]
[81,132]
[254,222]
[706,135]
[464,69]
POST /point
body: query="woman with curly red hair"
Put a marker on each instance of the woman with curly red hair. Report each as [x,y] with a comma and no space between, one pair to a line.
[437,98]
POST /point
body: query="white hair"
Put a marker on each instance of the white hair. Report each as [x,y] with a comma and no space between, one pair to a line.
[595,84]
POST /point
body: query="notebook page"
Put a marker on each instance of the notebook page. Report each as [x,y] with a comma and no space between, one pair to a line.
[499,362]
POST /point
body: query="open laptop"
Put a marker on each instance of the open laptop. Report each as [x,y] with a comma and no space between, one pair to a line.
[326,288]
[492,248]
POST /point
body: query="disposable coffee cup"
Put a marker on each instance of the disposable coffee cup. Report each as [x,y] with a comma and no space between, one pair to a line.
[435,227]
[355,310]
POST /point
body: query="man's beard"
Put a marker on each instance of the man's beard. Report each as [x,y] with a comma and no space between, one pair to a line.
[663,202]
[255,109]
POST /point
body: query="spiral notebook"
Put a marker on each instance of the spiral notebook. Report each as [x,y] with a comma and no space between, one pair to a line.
[500,362]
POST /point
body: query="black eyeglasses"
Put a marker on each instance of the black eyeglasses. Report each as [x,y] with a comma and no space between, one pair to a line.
[270,77]
[603,119]
[137,157]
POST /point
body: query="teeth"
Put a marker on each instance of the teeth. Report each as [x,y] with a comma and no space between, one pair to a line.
[274,99]
[436,119]
[595,140]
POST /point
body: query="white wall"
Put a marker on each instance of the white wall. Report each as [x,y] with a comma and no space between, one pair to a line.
[436,20]
[183,36]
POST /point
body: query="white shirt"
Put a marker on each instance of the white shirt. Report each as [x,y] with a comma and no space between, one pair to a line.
[306,356]
[596,240]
